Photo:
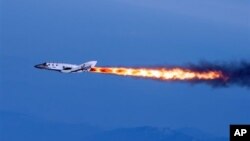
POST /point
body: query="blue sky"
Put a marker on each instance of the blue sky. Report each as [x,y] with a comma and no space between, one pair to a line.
[127,33]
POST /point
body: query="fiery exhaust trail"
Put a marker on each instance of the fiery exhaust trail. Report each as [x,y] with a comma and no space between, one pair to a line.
[215,74]
[167,74]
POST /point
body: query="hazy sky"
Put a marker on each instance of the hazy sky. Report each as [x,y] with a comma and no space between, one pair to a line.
[127,33]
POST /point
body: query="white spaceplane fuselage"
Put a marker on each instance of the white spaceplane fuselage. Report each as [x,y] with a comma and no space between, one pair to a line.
[67,68]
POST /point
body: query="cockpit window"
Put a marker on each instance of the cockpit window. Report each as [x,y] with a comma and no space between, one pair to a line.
[45,64]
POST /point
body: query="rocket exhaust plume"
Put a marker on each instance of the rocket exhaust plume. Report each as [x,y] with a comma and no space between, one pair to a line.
[220,74]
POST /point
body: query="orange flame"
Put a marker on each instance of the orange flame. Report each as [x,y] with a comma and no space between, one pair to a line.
[161,73]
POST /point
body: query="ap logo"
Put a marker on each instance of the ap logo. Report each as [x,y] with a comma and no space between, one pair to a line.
[239,132]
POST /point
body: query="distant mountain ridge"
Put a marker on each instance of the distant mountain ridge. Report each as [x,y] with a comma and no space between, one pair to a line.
[17,126]
[141,134]
[21,127]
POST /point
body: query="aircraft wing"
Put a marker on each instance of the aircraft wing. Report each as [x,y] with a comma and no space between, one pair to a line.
[84,67]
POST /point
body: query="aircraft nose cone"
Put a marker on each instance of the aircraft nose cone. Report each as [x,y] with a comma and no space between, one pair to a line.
[39,66]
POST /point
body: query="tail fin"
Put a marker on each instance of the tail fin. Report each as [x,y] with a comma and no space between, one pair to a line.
[90,63]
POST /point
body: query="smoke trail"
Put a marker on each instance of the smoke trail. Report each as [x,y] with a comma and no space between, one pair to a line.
[214,74]
[237,73]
